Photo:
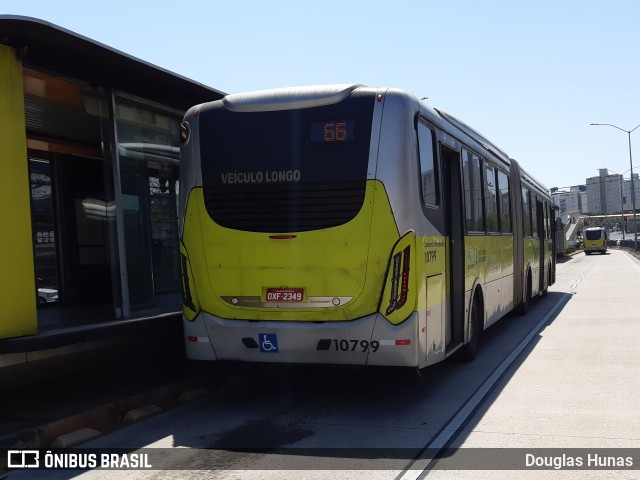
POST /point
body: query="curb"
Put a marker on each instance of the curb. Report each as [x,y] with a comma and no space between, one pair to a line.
[81,427]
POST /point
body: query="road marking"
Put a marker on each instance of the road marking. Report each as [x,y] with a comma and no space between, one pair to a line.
[572,288]
[417,468]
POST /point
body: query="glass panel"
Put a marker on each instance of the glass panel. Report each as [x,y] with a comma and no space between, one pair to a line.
[526,211]
[505,204]
[72,195]
[491,200]
[288,170]
[43,228]
[63,109]
[148,151]
[547,232]
[534,216]
[594,234]
[472,192]
[429,173]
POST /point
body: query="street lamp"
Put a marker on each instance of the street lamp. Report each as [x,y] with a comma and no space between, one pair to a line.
[633,188]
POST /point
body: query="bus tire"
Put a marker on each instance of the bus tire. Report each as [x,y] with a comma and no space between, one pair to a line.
[475,329]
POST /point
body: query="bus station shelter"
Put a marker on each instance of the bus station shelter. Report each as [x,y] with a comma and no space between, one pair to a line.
[89,151]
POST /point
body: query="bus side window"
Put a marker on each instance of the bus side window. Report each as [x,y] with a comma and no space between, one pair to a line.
[505,204]
[429,175]
[472,191]
[534,215]
[491,199]
[546,220]
[526,212]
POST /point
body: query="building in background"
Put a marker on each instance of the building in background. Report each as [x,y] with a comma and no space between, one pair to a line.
[605,193]
[572,201]
[609,193]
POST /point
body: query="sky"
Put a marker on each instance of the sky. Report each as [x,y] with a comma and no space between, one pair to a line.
[530,76]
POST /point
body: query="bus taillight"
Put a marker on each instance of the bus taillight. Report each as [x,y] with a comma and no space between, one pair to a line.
[405,278]
[396,302]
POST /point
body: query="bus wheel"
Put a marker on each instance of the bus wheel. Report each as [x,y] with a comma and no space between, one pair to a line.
[475,329]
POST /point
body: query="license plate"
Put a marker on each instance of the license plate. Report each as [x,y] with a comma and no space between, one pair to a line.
[285,295]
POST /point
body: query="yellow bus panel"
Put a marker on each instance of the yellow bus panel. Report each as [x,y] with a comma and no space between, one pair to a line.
[236,270]
[17,282]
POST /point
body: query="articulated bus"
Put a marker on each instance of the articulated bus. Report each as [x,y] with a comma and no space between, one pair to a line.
[351,225]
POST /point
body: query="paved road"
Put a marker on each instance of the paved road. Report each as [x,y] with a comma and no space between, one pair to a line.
[565,376]
[579,386]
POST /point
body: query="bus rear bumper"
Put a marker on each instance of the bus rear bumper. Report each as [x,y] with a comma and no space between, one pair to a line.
[596,249]
[370,340]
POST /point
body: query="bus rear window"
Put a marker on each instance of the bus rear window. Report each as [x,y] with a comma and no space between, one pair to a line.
[289,170]
[593,234]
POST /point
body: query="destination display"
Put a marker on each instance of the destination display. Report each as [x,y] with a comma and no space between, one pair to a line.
[331,131]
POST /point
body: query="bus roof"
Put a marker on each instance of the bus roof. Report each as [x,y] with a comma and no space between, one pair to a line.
[488,146]
[481,139]
[288,98]
[46,45]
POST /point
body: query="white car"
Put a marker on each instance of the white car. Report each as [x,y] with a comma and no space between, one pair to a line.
[47,295]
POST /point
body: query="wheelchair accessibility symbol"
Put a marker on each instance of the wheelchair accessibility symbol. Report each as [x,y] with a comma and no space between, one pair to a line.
[268,342]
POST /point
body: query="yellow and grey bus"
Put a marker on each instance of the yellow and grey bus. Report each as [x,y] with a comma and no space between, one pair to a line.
[344,224]
[595,240]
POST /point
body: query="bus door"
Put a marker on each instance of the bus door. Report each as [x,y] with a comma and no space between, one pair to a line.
[540,209]
[532,255]
[554,246]
[453,214]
